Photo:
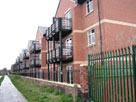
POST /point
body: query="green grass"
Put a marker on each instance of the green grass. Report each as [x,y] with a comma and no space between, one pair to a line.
[1,79]
[35,93]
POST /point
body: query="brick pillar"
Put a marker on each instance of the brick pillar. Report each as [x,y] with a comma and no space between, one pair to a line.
[84,78]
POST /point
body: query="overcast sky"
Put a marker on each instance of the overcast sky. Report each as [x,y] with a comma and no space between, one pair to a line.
[19,20]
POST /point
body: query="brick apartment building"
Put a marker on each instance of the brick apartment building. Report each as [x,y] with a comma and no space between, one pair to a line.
[79,28]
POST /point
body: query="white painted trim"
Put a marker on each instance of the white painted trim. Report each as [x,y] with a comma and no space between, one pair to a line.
[105,21]
[83,65]
[67,10]
[119,22]
[73,63]
[43,51]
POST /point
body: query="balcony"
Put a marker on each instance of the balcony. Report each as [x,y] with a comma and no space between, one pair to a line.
[54,55]
[26,65]
[60,24]
[25,54]
[80,1]
[35,63]
[21,66]
[35,47]
[19,60]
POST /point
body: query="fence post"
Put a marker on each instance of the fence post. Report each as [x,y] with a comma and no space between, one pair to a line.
[89,81]
[134,69]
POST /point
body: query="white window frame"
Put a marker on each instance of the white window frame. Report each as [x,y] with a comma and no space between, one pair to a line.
[67,16]
[40,41]
[89,4]
[70,75]
[68,48]
[90,33]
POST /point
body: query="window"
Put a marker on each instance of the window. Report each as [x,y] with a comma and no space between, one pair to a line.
[68,49]
[68,14]
[69,74]
[91,37]
[40,41]
[89,6]
[40,56]
[67,20]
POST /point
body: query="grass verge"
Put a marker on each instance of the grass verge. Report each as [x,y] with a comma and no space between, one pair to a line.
[1,79]
[35,93]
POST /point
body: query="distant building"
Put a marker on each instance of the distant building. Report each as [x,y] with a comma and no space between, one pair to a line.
[2,72]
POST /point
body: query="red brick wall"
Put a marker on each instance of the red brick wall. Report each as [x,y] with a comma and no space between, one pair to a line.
[113,35]
[120,10]
[43,52]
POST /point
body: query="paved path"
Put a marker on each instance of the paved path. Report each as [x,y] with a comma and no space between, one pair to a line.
[9,93]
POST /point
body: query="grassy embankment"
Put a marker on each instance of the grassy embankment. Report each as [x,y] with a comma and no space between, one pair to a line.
[35,93]
[1,79]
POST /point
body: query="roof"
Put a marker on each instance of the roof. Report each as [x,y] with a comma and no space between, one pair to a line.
[42,29]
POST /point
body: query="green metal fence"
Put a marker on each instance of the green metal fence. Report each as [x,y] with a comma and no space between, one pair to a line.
[112,76]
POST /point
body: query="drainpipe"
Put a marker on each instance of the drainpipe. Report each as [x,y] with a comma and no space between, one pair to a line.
[53,62]
[48,63]
[35,58]
[99,20]
[61,48]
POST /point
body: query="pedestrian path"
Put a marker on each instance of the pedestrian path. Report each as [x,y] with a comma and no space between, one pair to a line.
[9,93]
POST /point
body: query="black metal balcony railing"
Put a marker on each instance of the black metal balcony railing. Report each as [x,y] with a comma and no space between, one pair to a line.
[25,54]
[80,1]
[54,55]
[19,60]
[60,24]
[21,66]
[26,65]
[35,63]
[35,47]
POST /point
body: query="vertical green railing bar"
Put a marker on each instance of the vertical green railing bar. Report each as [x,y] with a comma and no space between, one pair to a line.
[120,75]
[134,69]
[97,78]
[109,76]
[101,64]
[114,76]
[89,76]
[123,75]
[92,76]
[97,92]
[130,72]
[106,75]
[127,74]
[117,73]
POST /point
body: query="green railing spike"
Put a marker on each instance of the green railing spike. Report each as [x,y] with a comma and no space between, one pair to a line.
[123,74]
[126,56]
[112,75]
